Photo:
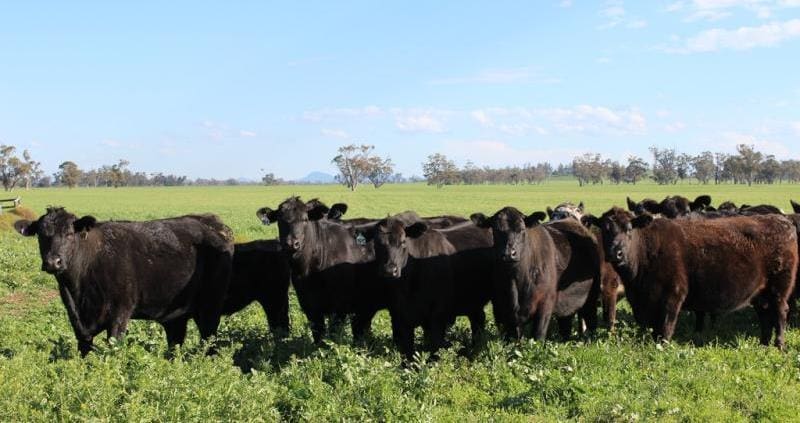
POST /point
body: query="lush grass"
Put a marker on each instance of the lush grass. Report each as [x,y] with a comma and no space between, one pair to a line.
[721,375]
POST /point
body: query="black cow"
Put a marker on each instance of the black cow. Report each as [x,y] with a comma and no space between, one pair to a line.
[541,270]
[709,265]
[670,207]
[333,269]
[167,270]
[261,273]
[433,275]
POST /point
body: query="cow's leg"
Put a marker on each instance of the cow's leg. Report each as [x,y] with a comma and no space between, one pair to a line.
[565,326]
[403,335]
[699,321]
[588,313]
[781,313]
[669,317]
[119,325]
[84,335]
[317,323]
[609,299]
[176,331]
[435,330]
[361,323]
[541,318]
[765,319]
[277,318]
[477,324]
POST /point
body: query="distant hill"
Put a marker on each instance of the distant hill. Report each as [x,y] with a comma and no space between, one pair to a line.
[317,178]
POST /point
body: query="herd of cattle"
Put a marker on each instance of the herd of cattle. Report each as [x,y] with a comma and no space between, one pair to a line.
[669,256]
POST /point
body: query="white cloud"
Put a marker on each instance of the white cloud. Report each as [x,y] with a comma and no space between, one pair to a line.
[614,14]
[246,134]
[111,143]
[585,119]
[603,60]
[517,75]
[714,10]
[340,113]
[796,128]
[732,139]
[565,3]
[674,126]
[743,38]
[418,121]
[335,133]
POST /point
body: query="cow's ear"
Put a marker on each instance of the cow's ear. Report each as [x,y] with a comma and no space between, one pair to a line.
[710,209]
[84,224]
[267,215]
[590,220]
[337,211]
[416,229]
[652,207]
[549,213]
[480,220]
[700,203]
[642,221]
[534,219]
[580,207]
[795,206]
[317,211]
[26,227]
[631,204]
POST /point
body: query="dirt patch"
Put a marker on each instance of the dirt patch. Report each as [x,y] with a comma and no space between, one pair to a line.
[8,217]
[18,304]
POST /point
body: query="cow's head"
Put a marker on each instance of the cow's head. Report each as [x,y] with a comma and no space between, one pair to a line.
[617,226]
[701,203]
[294,219]
[391,237]
[59,233]
[645,206]
[565,210]
[509,229]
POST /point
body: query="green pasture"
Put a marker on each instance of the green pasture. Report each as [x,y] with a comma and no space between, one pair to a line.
[720,375]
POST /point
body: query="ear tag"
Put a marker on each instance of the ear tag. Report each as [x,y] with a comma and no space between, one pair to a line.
[361,240]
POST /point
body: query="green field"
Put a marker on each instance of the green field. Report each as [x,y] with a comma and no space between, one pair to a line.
[721,375]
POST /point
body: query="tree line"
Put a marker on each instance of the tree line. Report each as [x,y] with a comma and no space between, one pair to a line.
[746,166]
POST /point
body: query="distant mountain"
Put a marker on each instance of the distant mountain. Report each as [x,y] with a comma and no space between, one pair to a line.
[317,178]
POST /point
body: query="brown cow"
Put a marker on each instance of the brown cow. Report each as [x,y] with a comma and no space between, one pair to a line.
[610,286]
[710,265]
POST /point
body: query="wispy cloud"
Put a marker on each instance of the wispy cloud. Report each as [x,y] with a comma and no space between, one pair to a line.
[715,10]
[419,120]
[218,131]
[518,75]
[565,3]
[732,139]
[615,15]
[585,119]
[335,133]
[743,38]
[246,134]
[328,114]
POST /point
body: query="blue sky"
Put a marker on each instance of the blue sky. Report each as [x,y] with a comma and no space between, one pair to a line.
[225,89]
